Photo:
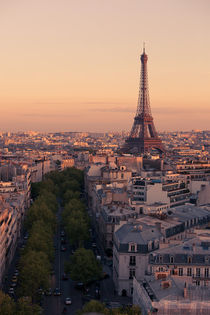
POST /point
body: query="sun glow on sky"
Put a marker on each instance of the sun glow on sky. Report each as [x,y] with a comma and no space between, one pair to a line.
[73,65]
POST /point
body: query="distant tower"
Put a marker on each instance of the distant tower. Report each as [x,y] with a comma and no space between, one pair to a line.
[143,136]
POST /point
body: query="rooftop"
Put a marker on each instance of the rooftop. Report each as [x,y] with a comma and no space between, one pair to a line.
[139,233]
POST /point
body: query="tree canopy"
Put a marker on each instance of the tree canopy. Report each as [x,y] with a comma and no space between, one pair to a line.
[7,305]
[34,273]
[98,307]
[83,266]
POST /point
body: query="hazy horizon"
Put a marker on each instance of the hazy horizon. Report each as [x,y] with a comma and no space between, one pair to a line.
[75,65]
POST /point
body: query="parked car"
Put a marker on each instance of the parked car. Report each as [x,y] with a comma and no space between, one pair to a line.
[63,241]
[64,276]
[14,279]
[68,301]
[48,292]
[11,291]
[41,291]
[105,275]
[79,286]
[13,284]
[57,292]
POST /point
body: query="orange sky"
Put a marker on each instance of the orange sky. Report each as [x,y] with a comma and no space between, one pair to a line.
[74,64]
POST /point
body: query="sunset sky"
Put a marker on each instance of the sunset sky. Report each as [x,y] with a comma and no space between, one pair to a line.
[73,65]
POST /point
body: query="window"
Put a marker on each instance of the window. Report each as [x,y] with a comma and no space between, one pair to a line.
[172,259]
[132,273]
[198,272]
[180,271]
[160,259]
[189,272]
[156,244]
[131,291]
[132,248]
[132,260]
[150,245]
[189,260]
[206,272]
[122,175]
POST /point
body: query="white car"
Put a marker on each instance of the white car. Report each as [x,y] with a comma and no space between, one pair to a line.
[68,301]
[11,291]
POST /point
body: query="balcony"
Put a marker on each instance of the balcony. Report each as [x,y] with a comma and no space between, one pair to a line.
[201,277]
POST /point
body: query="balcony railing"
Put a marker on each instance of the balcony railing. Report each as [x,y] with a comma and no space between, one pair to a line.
[201,277]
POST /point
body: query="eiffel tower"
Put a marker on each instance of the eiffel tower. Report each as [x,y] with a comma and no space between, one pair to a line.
[143,136]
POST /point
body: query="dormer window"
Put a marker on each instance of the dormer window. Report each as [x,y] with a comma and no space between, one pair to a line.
[132,247]
[156,243]
[150,245]
[172,259]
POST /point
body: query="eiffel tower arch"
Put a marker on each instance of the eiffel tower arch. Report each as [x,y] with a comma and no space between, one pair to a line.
[143,136]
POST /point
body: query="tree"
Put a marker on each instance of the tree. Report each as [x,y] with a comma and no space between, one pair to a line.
[39,211]
[50,199]
[25,307]
[76,227]
[72,205]
[47,184]
[94,306]
[69,195]
[7,305]
[34,273]
[40,239]
[84,267]
[134,310]
[70,184]
[74,173]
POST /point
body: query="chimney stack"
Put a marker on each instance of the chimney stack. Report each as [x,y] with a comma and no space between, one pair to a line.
[158,226]
[185,291]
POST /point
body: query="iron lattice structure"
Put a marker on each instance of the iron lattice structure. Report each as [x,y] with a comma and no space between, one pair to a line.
[143,136]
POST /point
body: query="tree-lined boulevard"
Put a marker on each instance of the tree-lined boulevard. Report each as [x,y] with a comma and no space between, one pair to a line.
[56,260]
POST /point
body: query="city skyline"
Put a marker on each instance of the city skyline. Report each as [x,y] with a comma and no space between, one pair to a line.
[76,66]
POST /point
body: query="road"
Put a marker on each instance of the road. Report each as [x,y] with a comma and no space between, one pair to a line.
[54,305]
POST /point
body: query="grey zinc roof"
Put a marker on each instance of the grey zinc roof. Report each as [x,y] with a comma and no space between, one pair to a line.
[176,290]
[192,248]
[140,234]
[186,212]
[169,293]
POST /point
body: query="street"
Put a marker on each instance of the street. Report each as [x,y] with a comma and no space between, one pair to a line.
[54,305]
